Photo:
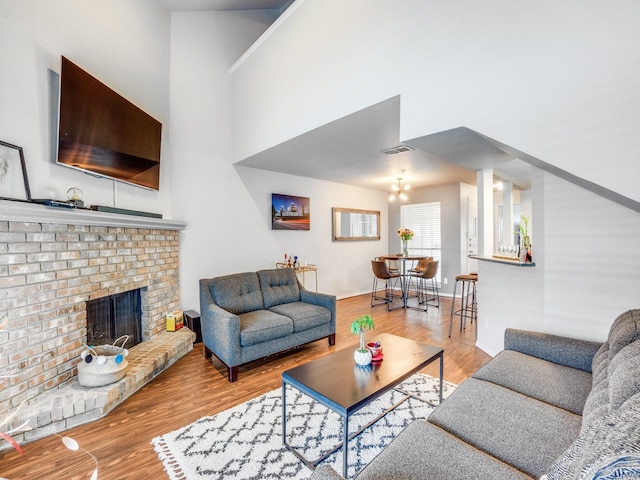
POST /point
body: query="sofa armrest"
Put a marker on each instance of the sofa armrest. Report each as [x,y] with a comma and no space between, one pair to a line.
[325,472]
[321,299]
[220,328]
[570,352]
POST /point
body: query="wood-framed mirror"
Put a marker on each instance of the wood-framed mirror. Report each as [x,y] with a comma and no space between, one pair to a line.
[350,224]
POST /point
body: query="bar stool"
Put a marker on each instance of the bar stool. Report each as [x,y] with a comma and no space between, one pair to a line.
[422,289]
[468,309]
[381,271]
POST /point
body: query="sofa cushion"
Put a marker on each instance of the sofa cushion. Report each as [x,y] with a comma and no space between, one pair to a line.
[600,364]
[423,451]
[304,315]
[623,339]
[624,375]
[549,382]
[598,402]
[597,405]
[608,448]
[567,351]
[261,326]
[625,330]
[237,293]
[279,286]
[521,431]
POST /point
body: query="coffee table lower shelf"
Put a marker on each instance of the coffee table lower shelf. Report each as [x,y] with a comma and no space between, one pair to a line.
[312,464]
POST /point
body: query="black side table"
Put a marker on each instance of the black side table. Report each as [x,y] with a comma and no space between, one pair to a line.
[192,320]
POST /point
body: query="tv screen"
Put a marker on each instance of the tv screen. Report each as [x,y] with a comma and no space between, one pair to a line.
[103,133]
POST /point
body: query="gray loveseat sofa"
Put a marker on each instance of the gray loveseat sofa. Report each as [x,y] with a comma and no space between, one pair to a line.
[246,316]
[546,407]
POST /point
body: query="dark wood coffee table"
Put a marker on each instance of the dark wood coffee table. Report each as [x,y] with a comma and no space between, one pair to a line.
[331,380]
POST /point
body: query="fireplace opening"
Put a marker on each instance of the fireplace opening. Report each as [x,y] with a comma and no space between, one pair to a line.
[109,318]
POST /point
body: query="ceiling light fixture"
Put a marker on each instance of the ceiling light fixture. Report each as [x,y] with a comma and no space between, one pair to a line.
[399,190]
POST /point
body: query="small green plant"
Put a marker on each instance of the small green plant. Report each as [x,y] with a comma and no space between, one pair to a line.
[359,326]
[524,230]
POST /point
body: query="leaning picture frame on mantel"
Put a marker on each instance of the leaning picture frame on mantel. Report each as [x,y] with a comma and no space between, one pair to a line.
[14,183]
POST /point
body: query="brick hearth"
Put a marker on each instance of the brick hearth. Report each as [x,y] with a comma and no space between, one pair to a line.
[74,405]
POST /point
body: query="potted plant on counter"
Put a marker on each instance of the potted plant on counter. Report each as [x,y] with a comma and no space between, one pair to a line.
[362,355]
[525,240]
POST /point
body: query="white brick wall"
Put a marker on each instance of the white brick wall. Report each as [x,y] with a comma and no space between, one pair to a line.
[49,271]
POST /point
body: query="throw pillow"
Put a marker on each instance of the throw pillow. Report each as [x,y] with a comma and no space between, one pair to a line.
[625,329]
[624,375]
[609,448]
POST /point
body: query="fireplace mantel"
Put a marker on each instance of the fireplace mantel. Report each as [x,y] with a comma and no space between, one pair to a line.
[11,211]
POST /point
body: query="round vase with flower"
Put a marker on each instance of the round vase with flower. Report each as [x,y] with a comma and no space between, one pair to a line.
[405,234]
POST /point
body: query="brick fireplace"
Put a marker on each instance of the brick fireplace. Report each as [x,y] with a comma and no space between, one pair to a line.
[52,262]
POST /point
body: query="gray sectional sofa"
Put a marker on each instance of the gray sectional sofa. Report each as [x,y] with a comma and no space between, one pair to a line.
[246,316]
[546,407]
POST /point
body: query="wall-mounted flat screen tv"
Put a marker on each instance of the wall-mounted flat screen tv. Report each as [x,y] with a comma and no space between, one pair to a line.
[103,133]
[289,212]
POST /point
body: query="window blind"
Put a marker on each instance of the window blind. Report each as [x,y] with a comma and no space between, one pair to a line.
[424,220]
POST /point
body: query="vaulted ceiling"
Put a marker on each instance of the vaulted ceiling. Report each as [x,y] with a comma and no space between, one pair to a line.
[350,150]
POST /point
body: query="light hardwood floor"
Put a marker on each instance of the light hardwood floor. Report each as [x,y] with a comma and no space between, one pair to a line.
[195,387]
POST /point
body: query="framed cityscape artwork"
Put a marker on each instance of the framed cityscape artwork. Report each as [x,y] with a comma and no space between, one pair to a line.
[289,212]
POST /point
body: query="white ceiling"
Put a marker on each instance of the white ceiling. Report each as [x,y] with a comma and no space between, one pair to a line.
[350,150]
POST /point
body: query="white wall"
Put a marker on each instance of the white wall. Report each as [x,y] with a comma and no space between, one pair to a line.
[122,43]
[228,208]
[557,80]
[586,273]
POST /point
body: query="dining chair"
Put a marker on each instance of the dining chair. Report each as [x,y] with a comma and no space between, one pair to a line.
[392,269]
[416,272]
[381,272]
[421,266]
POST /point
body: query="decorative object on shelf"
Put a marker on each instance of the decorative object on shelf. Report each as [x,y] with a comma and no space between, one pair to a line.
[405,234]
[362,355]
[290,261]
[14,184]
[376,351]
[526,255]
[75,196]
[175,321]
[103,364]
[399,190]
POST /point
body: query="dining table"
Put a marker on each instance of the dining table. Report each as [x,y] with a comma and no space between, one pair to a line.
[404,277]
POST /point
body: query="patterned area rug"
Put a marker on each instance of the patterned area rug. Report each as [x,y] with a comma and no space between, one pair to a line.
[245,442]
